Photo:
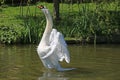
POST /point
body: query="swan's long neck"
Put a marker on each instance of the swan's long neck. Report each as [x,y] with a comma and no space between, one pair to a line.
[48,28]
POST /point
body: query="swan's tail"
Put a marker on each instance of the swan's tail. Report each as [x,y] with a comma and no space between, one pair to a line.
[65,69]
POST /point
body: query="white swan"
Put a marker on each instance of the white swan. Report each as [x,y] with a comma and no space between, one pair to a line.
[52,47]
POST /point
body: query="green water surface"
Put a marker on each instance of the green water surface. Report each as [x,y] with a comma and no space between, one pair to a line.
[100,62]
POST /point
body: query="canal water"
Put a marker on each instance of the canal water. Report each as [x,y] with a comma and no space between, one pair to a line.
[100,62]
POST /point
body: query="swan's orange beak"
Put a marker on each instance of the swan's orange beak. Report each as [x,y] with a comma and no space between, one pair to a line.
[41,6]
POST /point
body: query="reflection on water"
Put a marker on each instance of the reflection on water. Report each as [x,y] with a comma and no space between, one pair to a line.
[21,62]
[49,75]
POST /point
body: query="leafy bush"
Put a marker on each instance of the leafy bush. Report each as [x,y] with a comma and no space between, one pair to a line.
[9,34]
[78,21]
[87,23]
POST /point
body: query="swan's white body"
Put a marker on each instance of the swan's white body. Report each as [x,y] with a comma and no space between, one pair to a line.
[52,47]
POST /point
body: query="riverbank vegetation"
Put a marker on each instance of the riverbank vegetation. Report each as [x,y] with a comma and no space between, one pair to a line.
[84,22]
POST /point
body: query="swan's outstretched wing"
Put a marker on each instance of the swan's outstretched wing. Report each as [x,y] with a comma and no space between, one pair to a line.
[58,48]
[57,39]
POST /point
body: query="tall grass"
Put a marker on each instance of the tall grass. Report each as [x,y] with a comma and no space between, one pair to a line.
[33,29]
[33,24]
[80,21]
[92,20]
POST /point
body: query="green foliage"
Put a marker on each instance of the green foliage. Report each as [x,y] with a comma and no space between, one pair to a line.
[10,34]
[78,21]
[34,28]
[101,20]
[34,25]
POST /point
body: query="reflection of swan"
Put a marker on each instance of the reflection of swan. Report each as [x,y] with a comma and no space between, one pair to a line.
[52,47]
[53,76]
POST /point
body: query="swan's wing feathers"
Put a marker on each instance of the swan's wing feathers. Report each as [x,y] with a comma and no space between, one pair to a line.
[61,51]
[61,39]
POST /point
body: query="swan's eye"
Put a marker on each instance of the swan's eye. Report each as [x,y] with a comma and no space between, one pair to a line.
[41,6]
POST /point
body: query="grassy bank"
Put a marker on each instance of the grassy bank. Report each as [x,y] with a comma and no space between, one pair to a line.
[83,22]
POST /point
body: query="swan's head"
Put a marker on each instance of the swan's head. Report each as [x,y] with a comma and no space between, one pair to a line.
[44,9]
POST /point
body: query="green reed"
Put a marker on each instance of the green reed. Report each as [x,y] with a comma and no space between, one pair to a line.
[91,21]
[79,21]
[33,24]
[34,28]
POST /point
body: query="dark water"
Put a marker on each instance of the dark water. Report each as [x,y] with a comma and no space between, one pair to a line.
[21,62]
